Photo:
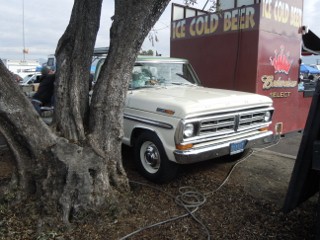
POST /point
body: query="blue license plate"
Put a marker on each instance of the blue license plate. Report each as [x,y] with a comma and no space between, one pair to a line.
[237,147]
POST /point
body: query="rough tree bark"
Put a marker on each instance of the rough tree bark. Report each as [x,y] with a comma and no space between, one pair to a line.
[73,169]
[18,121]
[131,23]
[61,175]
[74,56]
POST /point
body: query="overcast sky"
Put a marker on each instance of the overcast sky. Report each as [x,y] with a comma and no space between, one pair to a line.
[45,21]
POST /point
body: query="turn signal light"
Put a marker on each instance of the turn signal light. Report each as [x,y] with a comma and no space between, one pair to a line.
[263,129]
[184,147]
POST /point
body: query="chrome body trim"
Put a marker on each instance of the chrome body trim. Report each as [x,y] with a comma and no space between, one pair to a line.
[147,121]
[206,152]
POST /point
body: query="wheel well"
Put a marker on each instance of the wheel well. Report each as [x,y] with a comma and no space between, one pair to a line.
[136,132]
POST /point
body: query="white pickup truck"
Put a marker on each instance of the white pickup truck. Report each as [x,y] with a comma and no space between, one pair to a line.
[170,119]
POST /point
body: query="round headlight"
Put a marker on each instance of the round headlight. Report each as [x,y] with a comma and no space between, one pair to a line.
[188,130]
[267,117]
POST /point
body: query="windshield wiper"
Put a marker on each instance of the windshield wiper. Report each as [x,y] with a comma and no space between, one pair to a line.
[183,83]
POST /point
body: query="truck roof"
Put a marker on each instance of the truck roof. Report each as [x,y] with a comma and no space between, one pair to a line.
[103,51]
[141,58]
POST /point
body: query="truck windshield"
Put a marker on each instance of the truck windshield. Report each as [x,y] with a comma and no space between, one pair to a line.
[153,74]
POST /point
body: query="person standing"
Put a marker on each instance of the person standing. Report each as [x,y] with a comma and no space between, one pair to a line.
[44,94]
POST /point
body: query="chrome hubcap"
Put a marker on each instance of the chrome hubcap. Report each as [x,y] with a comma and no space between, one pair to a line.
[150,157]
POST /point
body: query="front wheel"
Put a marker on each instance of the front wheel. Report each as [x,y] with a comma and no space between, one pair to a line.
[151,159]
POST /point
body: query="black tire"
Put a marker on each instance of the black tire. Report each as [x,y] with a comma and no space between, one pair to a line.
[151,159]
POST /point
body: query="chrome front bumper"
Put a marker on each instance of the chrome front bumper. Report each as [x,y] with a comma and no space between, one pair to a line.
[219,149]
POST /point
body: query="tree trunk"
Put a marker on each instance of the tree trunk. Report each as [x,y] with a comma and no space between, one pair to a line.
[21,126]
[51,168]
[56,172]
[69,168]
[132,22]
[74,56]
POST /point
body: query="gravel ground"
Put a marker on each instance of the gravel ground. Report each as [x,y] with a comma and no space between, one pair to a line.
[230,199]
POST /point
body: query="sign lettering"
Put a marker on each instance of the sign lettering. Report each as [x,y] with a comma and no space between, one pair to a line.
[269,82]
[282,12]
[178,29]
[229,20]
[280,94]
[204,25]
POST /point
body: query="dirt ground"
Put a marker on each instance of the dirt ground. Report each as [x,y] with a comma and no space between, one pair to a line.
[230,198]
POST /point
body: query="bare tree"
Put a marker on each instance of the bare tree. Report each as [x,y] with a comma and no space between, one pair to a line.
[213,5]
[77,164]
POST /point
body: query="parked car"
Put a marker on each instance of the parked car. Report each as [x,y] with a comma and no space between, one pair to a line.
[30,83]
[30,78]
[170,119]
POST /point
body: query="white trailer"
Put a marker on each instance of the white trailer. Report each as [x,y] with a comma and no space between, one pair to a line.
[21,67]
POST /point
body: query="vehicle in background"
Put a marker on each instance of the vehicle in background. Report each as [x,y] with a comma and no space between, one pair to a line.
[98,53]
[30,83]
[30,78]
[21,67]
[51,61]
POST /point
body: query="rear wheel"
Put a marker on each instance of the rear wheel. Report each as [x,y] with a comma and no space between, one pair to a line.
[151,159]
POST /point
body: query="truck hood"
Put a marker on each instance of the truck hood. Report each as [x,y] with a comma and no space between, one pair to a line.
[185,101]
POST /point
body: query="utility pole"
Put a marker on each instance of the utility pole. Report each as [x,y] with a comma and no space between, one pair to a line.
[23,39]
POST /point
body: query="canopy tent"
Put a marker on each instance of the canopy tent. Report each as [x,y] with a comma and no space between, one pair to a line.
[310,43]
[308,69]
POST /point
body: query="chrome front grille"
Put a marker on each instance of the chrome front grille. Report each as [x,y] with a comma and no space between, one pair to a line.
[232,122]
[217,125]
[248,120]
